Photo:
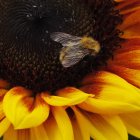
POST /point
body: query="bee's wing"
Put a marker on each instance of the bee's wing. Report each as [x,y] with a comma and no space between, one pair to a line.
[69,56]
[64,38]
[72,51]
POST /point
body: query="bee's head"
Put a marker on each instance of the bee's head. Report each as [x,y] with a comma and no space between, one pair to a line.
[28,56]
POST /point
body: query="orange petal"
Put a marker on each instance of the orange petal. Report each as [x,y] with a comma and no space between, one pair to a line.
[132,32]
[119,0]
[39,133]
[76,130]
[52,129]
[130,10]
[129,45]
[23,134]
[68,96]
[2,94]
[4,84]
[129,59]
[126,3]
[20,108]
[11,133]
[105,77]
[131,26]
[16,134]
[131,75]
[128,6]
[131,20]
[63,123]
[126,62]
[4,122]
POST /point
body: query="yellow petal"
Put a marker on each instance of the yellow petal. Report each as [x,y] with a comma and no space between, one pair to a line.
[63,123]
[105,78]
[20,108]
[4,125]
[107,107]
[39,133]
[131,75]
[76,130]
[12,134]
[113,94]
[100,127]
[85,126]
[52,129]
[110,126]
[67,96]
[132,124]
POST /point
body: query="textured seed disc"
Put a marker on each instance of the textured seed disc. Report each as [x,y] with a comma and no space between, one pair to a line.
[29,58]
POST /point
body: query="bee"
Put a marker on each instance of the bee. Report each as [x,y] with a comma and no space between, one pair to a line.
[75,48]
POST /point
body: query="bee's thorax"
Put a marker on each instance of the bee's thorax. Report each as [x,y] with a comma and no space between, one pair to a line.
[91,44]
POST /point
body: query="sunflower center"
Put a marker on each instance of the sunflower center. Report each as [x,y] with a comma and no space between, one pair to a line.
[30,58]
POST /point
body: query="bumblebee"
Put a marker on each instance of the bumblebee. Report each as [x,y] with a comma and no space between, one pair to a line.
[75,48]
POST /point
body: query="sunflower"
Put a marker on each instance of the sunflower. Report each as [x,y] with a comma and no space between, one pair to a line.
[98,98]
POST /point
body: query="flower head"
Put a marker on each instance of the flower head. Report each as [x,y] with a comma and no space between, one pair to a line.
[54,103]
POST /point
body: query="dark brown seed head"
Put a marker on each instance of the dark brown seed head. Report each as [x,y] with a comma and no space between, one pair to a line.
[29,58]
